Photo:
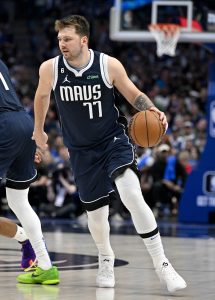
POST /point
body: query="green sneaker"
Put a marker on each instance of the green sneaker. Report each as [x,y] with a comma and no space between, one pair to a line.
[40,276]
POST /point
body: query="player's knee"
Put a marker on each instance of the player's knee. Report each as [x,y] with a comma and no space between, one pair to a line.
[128,195]
[98,216]
[132,199]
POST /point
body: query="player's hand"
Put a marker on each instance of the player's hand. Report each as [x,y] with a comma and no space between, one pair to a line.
[162,117]
[41,139]
[38,156]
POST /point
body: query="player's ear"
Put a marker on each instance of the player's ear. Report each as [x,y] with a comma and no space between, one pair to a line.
[84,40]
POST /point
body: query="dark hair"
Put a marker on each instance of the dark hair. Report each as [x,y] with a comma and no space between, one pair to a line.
[80,23]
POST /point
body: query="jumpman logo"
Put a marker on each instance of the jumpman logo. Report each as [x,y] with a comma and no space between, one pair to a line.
[115,138]
[66,80]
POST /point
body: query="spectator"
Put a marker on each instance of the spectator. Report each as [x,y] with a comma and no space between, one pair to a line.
[169,177]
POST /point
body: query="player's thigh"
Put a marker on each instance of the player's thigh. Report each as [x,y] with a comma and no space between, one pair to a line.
[7,149]
[22,171]
[121,155]
[94,189]
[4,164]
[91,177]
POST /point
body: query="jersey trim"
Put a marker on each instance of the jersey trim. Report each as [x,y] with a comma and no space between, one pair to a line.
[80,73]
[20,184]
[97,198]
[55,69]
[94,204]
[35,176]
[104,70]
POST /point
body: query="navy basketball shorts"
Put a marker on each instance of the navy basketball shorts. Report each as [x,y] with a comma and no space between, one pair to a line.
[95,169]
[17,149]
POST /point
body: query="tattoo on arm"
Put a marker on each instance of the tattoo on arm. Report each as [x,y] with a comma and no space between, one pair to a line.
[142,103]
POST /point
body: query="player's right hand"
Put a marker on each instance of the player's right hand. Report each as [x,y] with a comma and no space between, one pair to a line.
[38,156]
[41,139]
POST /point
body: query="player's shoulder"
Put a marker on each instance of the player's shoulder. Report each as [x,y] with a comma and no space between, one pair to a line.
[47,63]
[47,67]
[114,63]
[113,60]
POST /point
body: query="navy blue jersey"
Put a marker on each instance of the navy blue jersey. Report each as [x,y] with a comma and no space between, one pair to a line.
[86,102]
[8,98]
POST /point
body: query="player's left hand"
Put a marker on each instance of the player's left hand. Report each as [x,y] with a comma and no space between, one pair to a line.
[41,138]
[162,117]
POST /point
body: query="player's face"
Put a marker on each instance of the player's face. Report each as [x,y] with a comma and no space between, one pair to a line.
[70,43]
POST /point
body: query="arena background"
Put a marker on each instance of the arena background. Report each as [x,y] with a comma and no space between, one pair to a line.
[183,87]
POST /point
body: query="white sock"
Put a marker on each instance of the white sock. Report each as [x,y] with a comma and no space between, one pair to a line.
[100,229]
[20,235]
[155,249]
[144,221]
[18,202]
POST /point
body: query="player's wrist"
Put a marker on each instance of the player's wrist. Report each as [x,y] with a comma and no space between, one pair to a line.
[38,131]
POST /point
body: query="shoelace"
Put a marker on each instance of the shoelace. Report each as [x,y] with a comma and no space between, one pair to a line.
[32,266]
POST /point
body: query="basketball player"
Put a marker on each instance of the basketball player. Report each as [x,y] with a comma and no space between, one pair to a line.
[101,154]
[17,152]
[12,230]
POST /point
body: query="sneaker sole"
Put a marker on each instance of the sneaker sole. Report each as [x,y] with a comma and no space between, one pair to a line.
[177,288]
[105,285]
[164,285]
[52,281]
[46,282]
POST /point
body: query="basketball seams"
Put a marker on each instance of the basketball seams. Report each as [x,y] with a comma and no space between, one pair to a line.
[133,128]
[160,128]
[147,128]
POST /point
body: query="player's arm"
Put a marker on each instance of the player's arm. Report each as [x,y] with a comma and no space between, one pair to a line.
[41,102]
[125,86]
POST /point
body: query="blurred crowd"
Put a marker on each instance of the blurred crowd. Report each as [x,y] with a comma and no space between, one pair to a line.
[177,86]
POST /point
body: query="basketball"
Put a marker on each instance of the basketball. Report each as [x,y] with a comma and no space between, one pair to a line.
[145,129]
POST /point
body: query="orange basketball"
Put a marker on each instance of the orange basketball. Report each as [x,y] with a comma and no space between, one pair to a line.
[145,129]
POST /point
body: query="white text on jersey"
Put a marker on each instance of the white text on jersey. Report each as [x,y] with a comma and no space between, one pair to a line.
[80,93]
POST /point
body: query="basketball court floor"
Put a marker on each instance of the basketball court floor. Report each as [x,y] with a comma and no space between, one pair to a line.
[190,248]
